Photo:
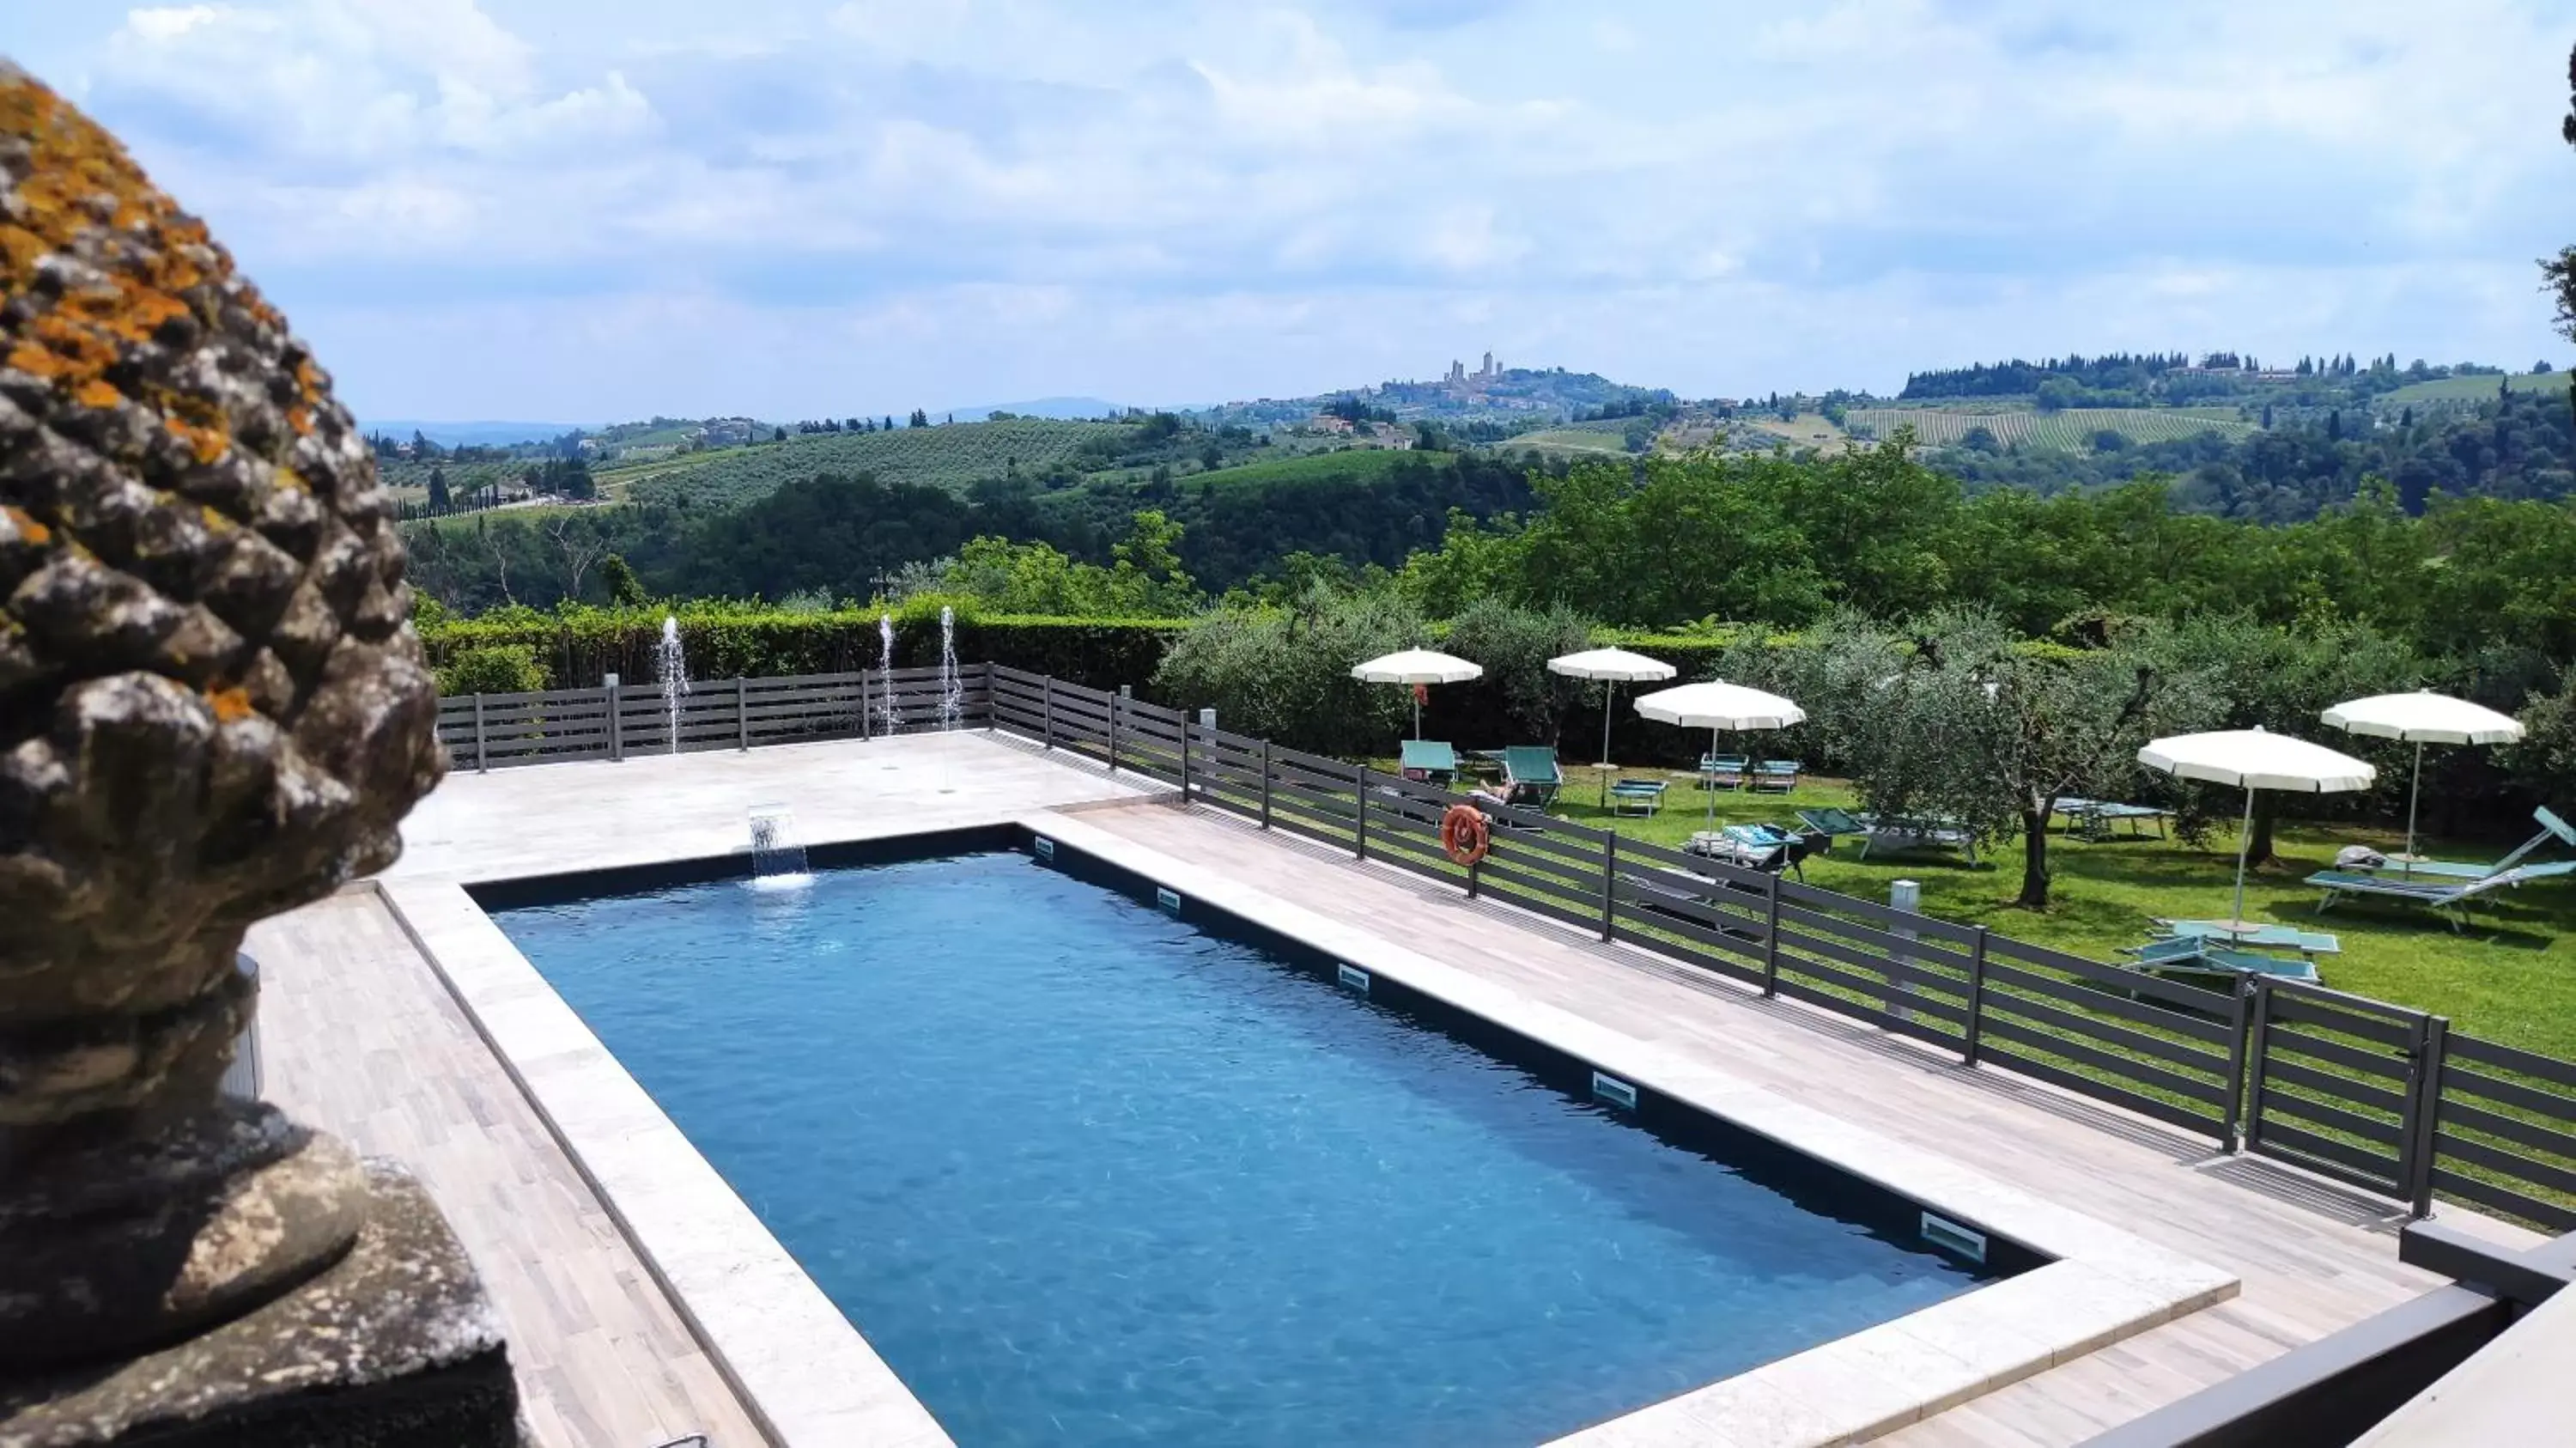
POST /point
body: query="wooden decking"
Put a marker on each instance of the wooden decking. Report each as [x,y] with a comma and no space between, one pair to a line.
[359,1036]
[2312,1258]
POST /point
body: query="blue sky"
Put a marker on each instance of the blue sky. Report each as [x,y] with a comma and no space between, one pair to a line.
[596,209]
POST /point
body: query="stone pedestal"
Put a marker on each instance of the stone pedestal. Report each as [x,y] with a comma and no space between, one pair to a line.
[392,1346]
[213,708]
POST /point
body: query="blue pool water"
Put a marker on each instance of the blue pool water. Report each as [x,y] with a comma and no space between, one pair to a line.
[1084,1174]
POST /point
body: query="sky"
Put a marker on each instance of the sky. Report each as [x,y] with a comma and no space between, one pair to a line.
[591,210]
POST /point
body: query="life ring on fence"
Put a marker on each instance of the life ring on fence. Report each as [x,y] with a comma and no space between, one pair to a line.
[1464,834]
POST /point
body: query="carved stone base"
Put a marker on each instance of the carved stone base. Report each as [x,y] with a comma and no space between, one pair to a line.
[393,1346]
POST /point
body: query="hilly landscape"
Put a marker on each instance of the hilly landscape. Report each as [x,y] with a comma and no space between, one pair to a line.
[1366,477]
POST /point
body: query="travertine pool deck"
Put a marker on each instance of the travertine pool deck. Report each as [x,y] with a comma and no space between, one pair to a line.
[2162,1212]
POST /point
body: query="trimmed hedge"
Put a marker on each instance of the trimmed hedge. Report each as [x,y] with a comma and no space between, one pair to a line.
[577,646]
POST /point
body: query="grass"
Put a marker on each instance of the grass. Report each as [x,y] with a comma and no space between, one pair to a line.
[1807,429]
[1571,441]
[2509,978]
[1362,464]
[945,457]
[2471,389]
[2068,430]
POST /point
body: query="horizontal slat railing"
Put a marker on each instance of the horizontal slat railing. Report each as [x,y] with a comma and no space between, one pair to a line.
[2504,1133]
[2369,1094]
[490,731]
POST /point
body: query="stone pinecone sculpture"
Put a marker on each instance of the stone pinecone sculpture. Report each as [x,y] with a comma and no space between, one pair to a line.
[212,709]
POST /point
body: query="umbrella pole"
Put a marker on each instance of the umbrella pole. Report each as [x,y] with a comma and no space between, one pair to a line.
[1417,717]
[2414,793]
[1609,701]
[2244,840]
[1712,783]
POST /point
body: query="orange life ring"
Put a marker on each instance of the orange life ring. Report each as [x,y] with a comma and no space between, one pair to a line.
[1464,834]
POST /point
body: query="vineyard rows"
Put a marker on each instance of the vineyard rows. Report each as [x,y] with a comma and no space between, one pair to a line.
[2070,430]
[942,457]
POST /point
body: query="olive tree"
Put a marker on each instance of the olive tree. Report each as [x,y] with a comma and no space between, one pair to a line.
[1285,672]
[1990,732]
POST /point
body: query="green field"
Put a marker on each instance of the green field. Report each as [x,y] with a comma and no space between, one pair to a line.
[410,480]
[2510,978]
[2069,430]
[943,457]
[1582,441]
[2471,389]
[1364,464]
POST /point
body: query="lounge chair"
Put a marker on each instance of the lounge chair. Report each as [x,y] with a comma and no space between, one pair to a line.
[1779,774]
[1722,771]
[1644,796]
[1530,775]
[2305,942]
[1430,761]
[2551,828]
[2092,819]
[1832,823]
[2202,957]
[2451,900]
[1768,848]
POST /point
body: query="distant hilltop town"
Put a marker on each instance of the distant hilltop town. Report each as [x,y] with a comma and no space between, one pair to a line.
[1458,372]
[1514,395]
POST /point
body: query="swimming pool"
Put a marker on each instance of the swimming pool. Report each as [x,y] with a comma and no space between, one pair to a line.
[1087,1173]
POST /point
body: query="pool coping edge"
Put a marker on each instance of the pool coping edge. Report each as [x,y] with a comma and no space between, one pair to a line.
[804,1372]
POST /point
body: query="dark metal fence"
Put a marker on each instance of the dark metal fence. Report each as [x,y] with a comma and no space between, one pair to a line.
[2377,1096]
[2373,1095]
[491,731]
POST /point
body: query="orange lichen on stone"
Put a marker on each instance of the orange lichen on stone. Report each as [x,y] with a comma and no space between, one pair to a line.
[97,393]
[79,171]
[29,530]
[230,704]
[207,443]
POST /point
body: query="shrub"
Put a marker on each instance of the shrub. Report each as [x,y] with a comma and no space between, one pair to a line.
[492,669]
[1514,645]
[1285,673]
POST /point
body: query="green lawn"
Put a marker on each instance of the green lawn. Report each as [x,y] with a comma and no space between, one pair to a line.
[2510,978]
[2476,388]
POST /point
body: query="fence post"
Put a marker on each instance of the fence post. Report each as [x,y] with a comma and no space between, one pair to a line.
[1046,712]
[1905,895]
[990,723]
[2258,1047]
[1113,731]
[482,762]
[2232,1128]
[1265,784]
[742,711]
[2423,1111]
[616,721]
[1609,885]
[1771,937]
[1976,996]
[1185,757]
[1360,843]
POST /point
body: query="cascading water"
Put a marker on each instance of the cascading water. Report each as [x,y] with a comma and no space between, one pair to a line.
[952,692]
[675,675]
[777,856]
[885,673]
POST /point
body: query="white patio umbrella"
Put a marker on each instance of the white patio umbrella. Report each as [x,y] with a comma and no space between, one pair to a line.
[2252,759]
[1612,667]
[2419,719]
[1417,666]
[1718,705]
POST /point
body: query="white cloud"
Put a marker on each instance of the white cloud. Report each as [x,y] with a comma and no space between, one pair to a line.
[1186,198]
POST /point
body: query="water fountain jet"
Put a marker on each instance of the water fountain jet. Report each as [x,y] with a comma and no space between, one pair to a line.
[674,669]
